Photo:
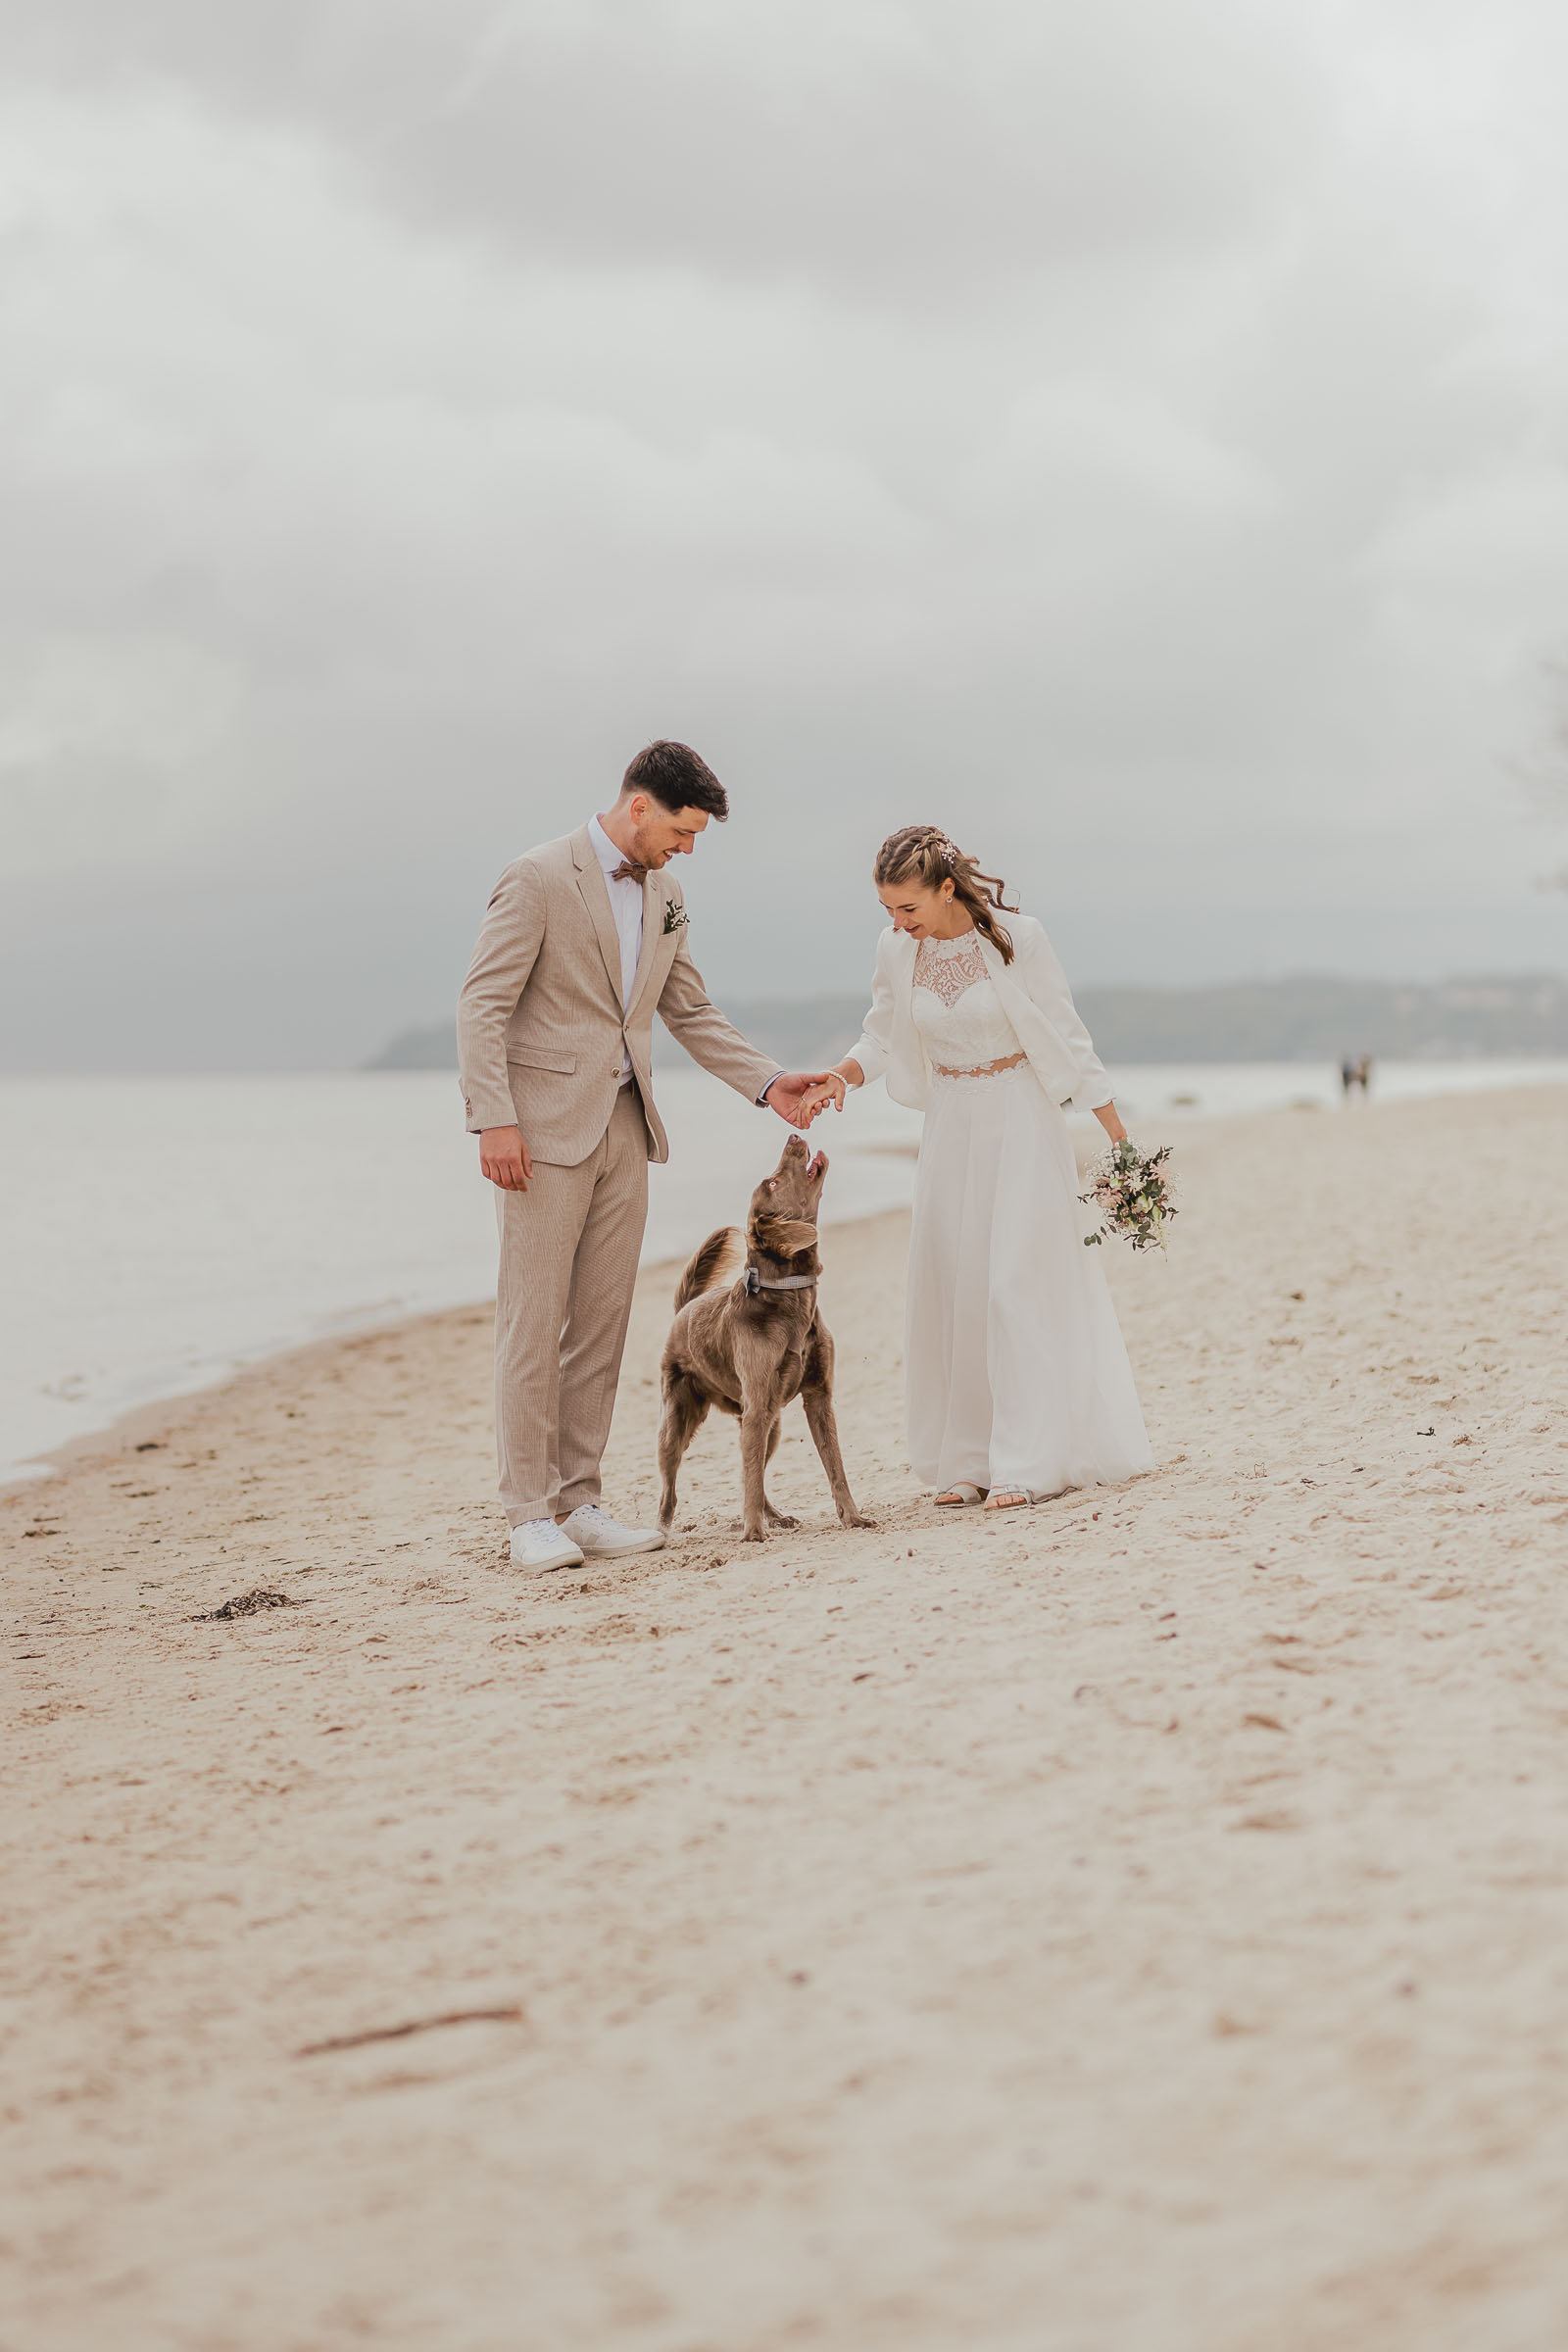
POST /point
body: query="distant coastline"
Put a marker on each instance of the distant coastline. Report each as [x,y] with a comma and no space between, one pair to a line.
[1304,1019]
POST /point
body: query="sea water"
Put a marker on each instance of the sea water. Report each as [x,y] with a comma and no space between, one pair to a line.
[156,1234]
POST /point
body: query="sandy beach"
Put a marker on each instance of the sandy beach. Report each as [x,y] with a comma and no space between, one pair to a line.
[1138,1924]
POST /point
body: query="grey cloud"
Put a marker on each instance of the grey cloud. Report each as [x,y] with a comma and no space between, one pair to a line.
[888,154]
[1133,435]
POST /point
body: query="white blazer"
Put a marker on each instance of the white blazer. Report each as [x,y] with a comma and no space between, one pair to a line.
[1034,995]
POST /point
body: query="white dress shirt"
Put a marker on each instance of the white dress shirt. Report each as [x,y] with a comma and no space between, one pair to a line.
[626,906]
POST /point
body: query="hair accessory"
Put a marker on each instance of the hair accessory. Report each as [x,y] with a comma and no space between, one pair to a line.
[946,849]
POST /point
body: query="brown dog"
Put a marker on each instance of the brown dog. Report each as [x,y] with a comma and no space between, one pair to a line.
[751,1348]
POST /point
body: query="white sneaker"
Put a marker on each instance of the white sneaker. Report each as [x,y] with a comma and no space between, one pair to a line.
[600,1535]
[540,1545]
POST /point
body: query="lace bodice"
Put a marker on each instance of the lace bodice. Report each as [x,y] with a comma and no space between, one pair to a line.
[956,1010]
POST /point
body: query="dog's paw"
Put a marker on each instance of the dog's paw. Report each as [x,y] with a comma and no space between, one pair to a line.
[753,1534]
[856,1519]
[783,1519]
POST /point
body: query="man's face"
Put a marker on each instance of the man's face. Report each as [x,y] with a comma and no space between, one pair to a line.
[660,835]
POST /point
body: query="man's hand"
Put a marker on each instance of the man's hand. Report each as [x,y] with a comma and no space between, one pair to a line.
[785,1095]
[504,1158]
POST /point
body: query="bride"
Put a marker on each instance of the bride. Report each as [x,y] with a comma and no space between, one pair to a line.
[1017,1380]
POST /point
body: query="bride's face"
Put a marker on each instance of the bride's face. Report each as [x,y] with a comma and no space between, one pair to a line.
[923,913]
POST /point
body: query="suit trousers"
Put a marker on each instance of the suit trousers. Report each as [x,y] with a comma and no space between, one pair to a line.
[569,1249]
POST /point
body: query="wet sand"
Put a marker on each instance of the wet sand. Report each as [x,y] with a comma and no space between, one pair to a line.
[1138,1923]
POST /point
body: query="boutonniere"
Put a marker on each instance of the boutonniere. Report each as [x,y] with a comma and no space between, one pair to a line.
[674,917]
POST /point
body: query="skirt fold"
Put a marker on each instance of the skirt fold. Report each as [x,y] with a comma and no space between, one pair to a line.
[1014,1366]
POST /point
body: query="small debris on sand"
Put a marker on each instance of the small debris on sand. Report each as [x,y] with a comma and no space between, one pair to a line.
[245,1604]
[418,2025]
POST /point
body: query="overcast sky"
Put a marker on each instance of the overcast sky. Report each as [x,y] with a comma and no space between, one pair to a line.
[1133,435]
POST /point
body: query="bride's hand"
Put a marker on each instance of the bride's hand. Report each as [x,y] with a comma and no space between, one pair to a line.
[831,1089]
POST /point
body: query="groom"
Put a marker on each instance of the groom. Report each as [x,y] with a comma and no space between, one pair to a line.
[583,940]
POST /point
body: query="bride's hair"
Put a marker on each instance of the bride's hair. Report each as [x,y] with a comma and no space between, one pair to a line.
[923,854]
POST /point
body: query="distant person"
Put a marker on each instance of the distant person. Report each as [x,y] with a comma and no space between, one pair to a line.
[584,939]
[1347,1076]
[1363,1075]
[1017,1383]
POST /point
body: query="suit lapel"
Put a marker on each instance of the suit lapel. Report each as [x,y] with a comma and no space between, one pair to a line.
[653,935]
[596,898]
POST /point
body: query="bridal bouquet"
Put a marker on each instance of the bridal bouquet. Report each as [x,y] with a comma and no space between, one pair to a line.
[1131,1194]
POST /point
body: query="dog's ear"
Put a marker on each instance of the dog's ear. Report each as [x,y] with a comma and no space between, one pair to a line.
[782,1237]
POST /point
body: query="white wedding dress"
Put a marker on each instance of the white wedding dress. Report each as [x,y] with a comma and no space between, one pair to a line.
[1014,1368]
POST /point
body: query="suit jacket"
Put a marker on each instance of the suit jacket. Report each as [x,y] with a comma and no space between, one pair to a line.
[1034,995]
[540,1021]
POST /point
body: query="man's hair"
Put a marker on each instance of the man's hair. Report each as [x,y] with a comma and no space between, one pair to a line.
[671,774]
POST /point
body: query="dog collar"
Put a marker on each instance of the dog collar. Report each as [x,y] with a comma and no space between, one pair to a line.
[756,1282]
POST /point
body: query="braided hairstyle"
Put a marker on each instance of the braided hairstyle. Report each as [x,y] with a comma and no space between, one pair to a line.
[923,854]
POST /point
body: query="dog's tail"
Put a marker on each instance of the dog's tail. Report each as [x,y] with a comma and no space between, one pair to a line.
[718,1255]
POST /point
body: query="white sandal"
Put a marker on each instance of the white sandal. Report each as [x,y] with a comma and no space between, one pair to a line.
[959,1492]
[1024,1495]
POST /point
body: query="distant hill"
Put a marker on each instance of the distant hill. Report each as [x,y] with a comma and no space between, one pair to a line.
[1306,1019]
[1317,1019]
[432,1049]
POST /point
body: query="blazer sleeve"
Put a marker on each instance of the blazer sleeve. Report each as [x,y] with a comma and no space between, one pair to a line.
[873,1047]
[695,1021]
[508,948]
[1047,983]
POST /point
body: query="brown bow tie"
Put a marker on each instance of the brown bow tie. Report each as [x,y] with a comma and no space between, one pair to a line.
[625,871]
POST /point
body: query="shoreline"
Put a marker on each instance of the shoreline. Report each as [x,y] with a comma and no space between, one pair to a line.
[160,1418]
[122,1431]
[41,1471]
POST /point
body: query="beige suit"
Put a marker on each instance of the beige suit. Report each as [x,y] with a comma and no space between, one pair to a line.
[541,1039]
